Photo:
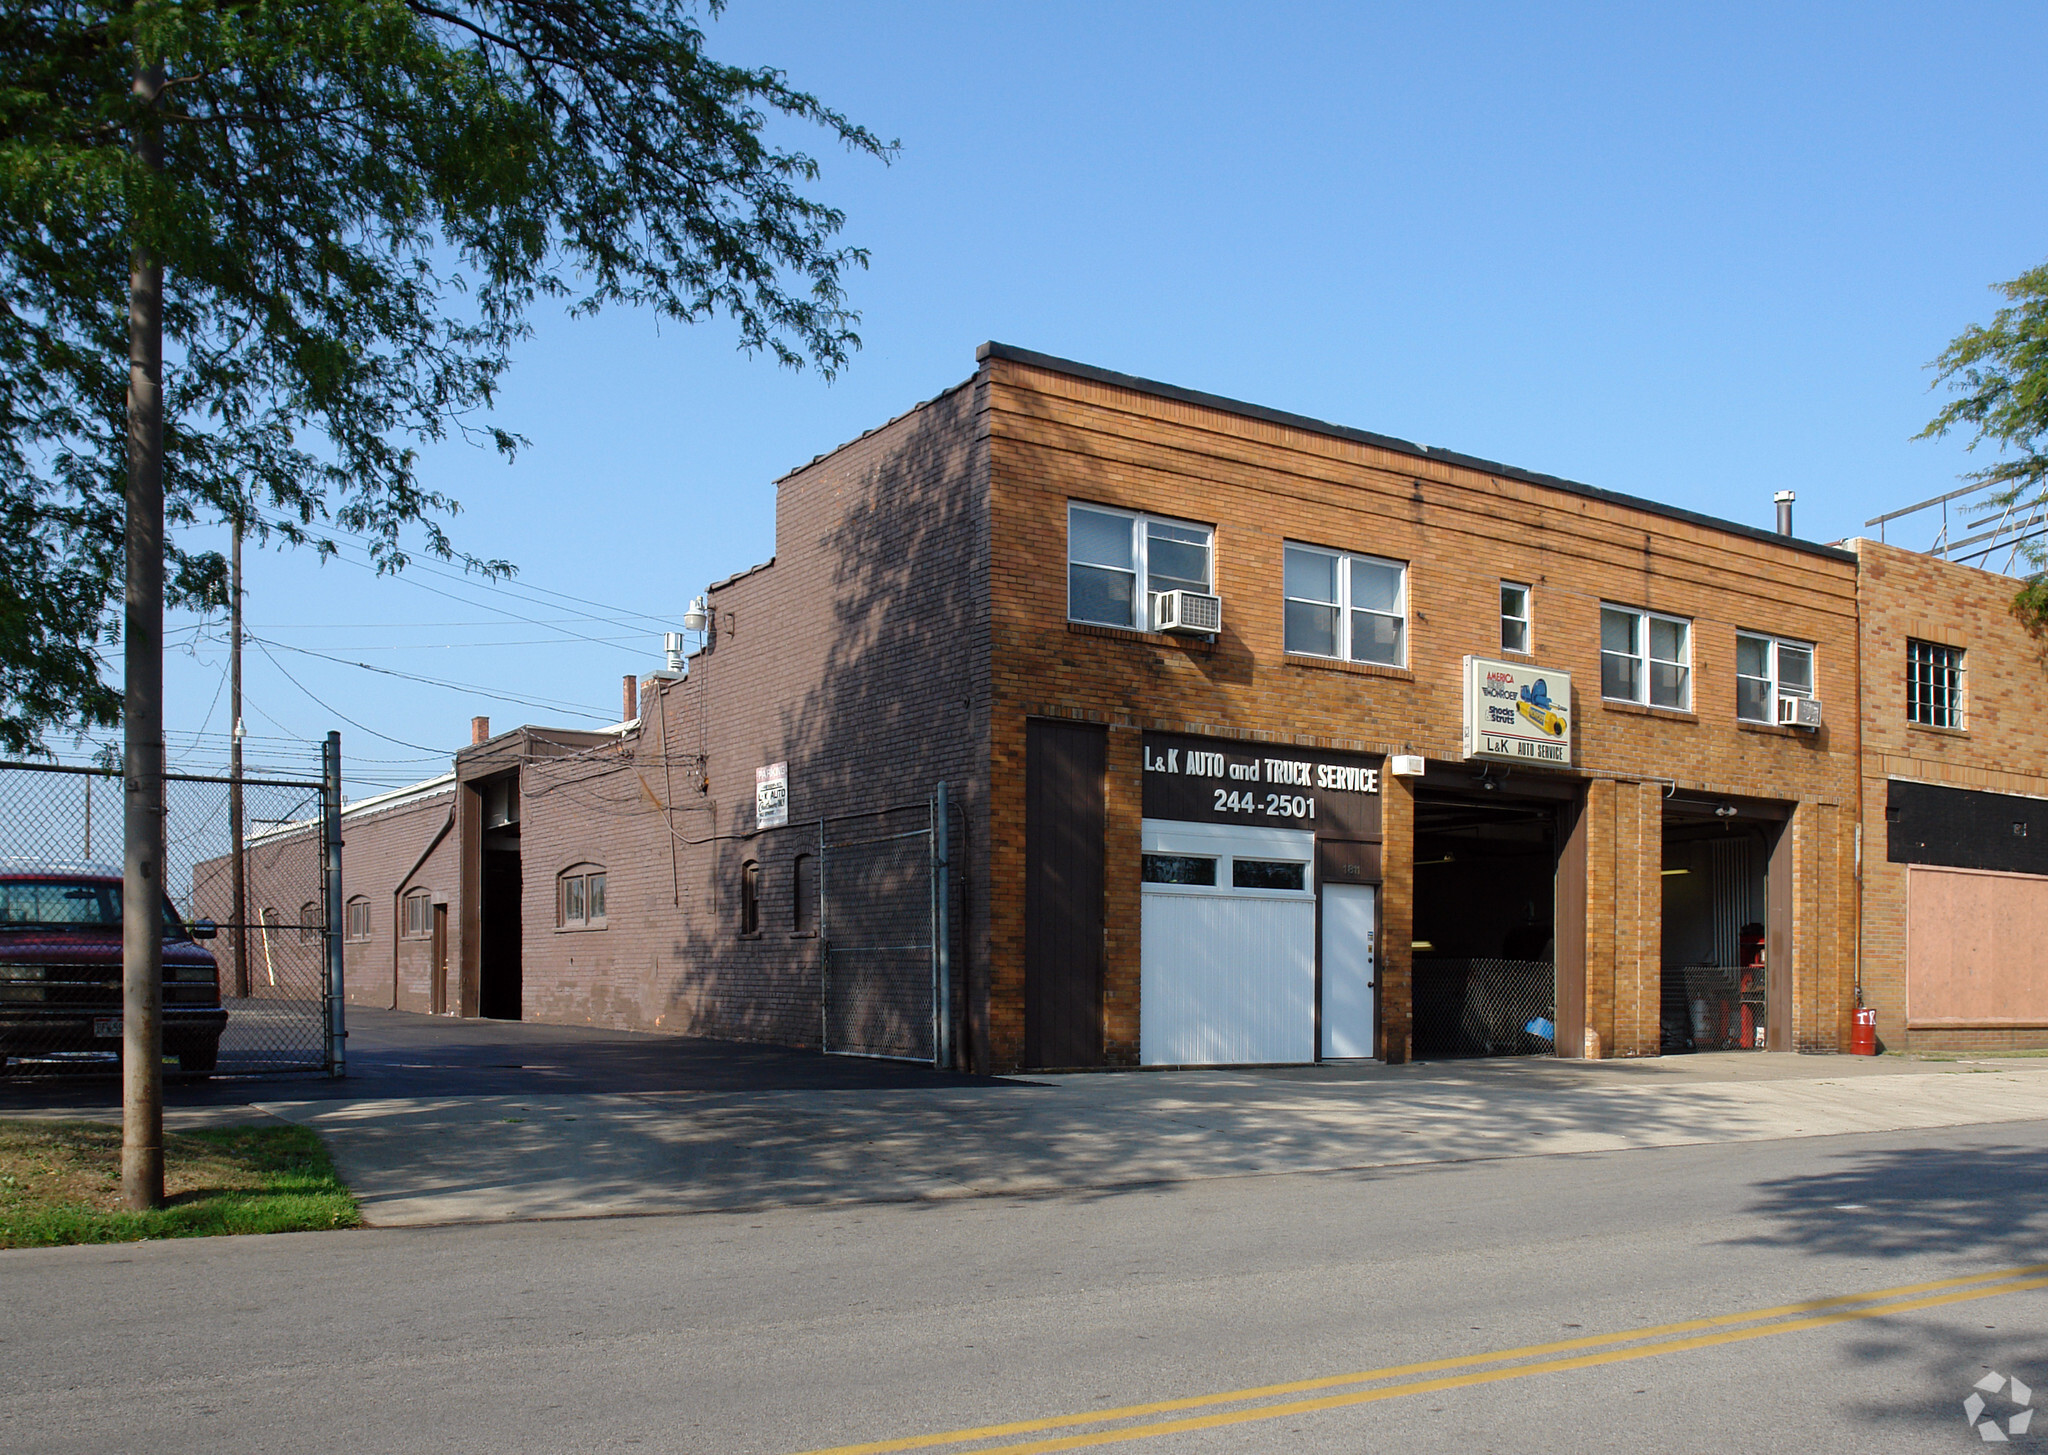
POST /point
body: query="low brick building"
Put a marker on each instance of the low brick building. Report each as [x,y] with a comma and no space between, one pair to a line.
[1262,740]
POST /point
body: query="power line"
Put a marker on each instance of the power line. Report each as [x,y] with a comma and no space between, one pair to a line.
[465,687]
[264,648]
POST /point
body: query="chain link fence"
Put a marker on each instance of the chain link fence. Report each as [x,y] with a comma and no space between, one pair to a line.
[60,923]
[876,887]
[1713,1008]
[1485,1007]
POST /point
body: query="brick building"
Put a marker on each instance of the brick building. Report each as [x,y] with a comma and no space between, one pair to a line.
[1263,740]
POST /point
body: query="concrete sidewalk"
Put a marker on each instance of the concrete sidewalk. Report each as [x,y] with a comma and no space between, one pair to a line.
[447,1159]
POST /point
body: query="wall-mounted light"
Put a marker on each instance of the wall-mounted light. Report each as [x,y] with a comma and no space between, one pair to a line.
[1724,810]
[697,617]
[1669,872]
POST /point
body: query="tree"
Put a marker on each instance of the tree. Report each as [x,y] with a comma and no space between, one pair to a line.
[1999,374]
[332,217]
[355,206]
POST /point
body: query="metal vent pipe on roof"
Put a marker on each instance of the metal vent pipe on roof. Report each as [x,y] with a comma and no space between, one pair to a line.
[1784,499]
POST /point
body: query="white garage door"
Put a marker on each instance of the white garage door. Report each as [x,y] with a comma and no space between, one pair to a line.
[1228,964]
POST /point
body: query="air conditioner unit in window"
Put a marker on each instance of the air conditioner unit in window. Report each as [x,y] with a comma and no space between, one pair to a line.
[1190,613]
[1799,712]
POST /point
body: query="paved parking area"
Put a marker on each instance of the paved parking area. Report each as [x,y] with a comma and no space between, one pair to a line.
[461,1121]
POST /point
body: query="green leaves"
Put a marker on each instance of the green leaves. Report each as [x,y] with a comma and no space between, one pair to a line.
[360,202]
[2000,375]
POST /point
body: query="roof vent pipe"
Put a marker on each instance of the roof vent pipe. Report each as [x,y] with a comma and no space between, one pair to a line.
[629,696]
[479,729]
[1784,498]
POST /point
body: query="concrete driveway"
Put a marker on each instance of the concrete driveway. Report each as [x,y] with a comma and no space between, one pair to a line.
[465,1121]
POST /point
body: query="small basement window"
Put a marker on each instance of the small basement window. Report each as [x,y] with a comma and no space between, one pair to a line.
[579,897]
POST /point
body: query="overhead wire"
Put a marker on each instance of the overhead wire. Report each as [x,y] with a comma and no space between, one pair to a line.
[547,704]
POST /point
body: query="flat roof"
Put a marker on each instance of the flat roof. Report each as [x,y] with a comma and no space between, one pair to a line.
[1053,364]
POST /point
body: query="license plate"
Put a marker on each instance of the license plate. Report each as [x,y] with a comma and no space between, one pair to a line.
[107,1026]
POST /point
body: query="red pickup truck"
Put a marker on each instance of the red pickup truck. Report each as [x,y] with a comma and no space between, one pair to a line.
[60,968]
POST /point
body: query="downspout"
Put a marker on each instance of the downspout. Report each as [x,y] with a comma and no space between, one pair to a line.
[398,903]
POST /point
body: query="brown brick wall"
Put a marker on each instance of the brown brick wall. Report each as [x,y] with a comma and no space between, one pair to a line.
[1056,437]
[2000,749]
[858,657]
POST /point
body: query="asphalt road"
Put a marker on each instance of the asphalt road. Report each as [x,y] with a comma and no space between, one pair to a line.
[822,1327]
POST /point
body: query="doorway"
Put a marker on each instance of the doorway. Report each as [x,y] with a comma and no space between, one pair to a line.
[1718,988]
[501,940]
[1345,1018]
[1485,936]
[437,997]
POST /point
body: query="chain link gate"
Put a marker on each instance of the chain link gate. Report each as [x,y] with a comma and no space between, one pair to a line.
[271,958]
[882,920]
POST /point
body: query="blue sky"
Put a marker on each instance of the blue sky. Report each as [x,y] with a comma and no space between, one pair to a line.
[1696,255]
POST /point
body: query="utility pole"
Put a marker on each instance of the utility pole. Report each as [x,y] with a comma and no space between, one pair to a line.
[240,908]
[142,883]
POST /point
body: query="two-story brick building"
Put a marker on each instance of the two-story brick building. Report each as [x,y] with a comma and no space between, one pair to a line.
[1264,740]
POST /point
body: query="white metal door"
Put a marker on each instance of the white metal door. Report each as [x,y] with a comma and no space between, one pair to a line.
[1348,914]
[1227,973]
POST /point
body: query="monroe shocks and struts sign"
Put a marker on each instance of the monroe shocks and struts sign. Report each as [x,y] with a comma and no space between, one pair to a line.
[1515,713]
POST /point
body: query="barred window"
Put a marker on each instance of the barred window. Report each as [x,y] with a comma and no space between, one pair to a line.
[1934,684]
[309,923]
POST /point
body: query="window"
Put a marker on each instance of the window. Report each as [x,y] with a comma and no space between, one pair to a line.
[1117,561]
[419,914]
[750,898]
[1934,685]
[309,923]
[1268,874]
[1350,607]
[1767,669]
[803,913]
[357,926]
[1193,869]
[1641,650]
[579,897]
[1514,617]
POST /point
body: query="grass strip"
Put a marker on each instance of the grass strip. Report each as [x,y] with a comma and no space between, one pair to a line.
[60,1182]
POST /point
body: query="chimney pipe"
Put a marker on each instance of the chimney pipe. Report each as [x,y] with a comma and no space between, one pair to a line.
[1784,499]
[631,687]
[479,729]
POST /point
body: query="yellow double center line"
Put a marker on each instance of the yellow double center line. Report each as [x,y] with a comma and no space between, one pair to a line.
[1268,1402]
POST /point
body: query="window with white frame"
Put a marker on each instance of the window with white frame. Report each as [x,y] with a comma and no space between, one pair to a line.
[1354,608]
[1934,684]
[1645,657]
[1119,560]
[1766,669]
[579,897]
[1514,617]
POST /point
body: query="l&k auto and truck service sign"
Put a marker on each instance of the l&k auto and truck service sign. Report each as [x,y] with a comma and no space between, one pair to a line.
[1515,713]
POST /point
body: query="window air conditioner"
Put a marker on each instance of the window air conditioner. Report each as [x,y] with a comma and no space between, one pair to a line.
[1799,712]
[1190,613]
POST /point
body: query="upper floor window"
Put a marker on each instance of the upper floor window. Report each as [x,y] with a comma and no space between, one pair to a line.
[579,897]
[1767,669]
[357,925]
[419,914]
[1118,560]
[1514,617]
[1350,607]
[1645,657]
[1934,684]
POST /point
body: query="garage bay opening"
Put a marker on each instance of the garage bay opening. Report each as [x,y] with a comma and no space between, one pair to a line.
[1485,928]
[1717,990]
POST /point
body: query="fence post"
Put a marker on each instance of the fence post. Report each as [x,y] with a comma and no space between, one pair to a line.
[330,814]
[942,937]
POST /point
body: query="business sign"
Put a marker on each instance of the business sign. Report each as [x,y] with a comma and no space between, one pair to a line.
[771,796]
[1515,713]
[1209,780]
